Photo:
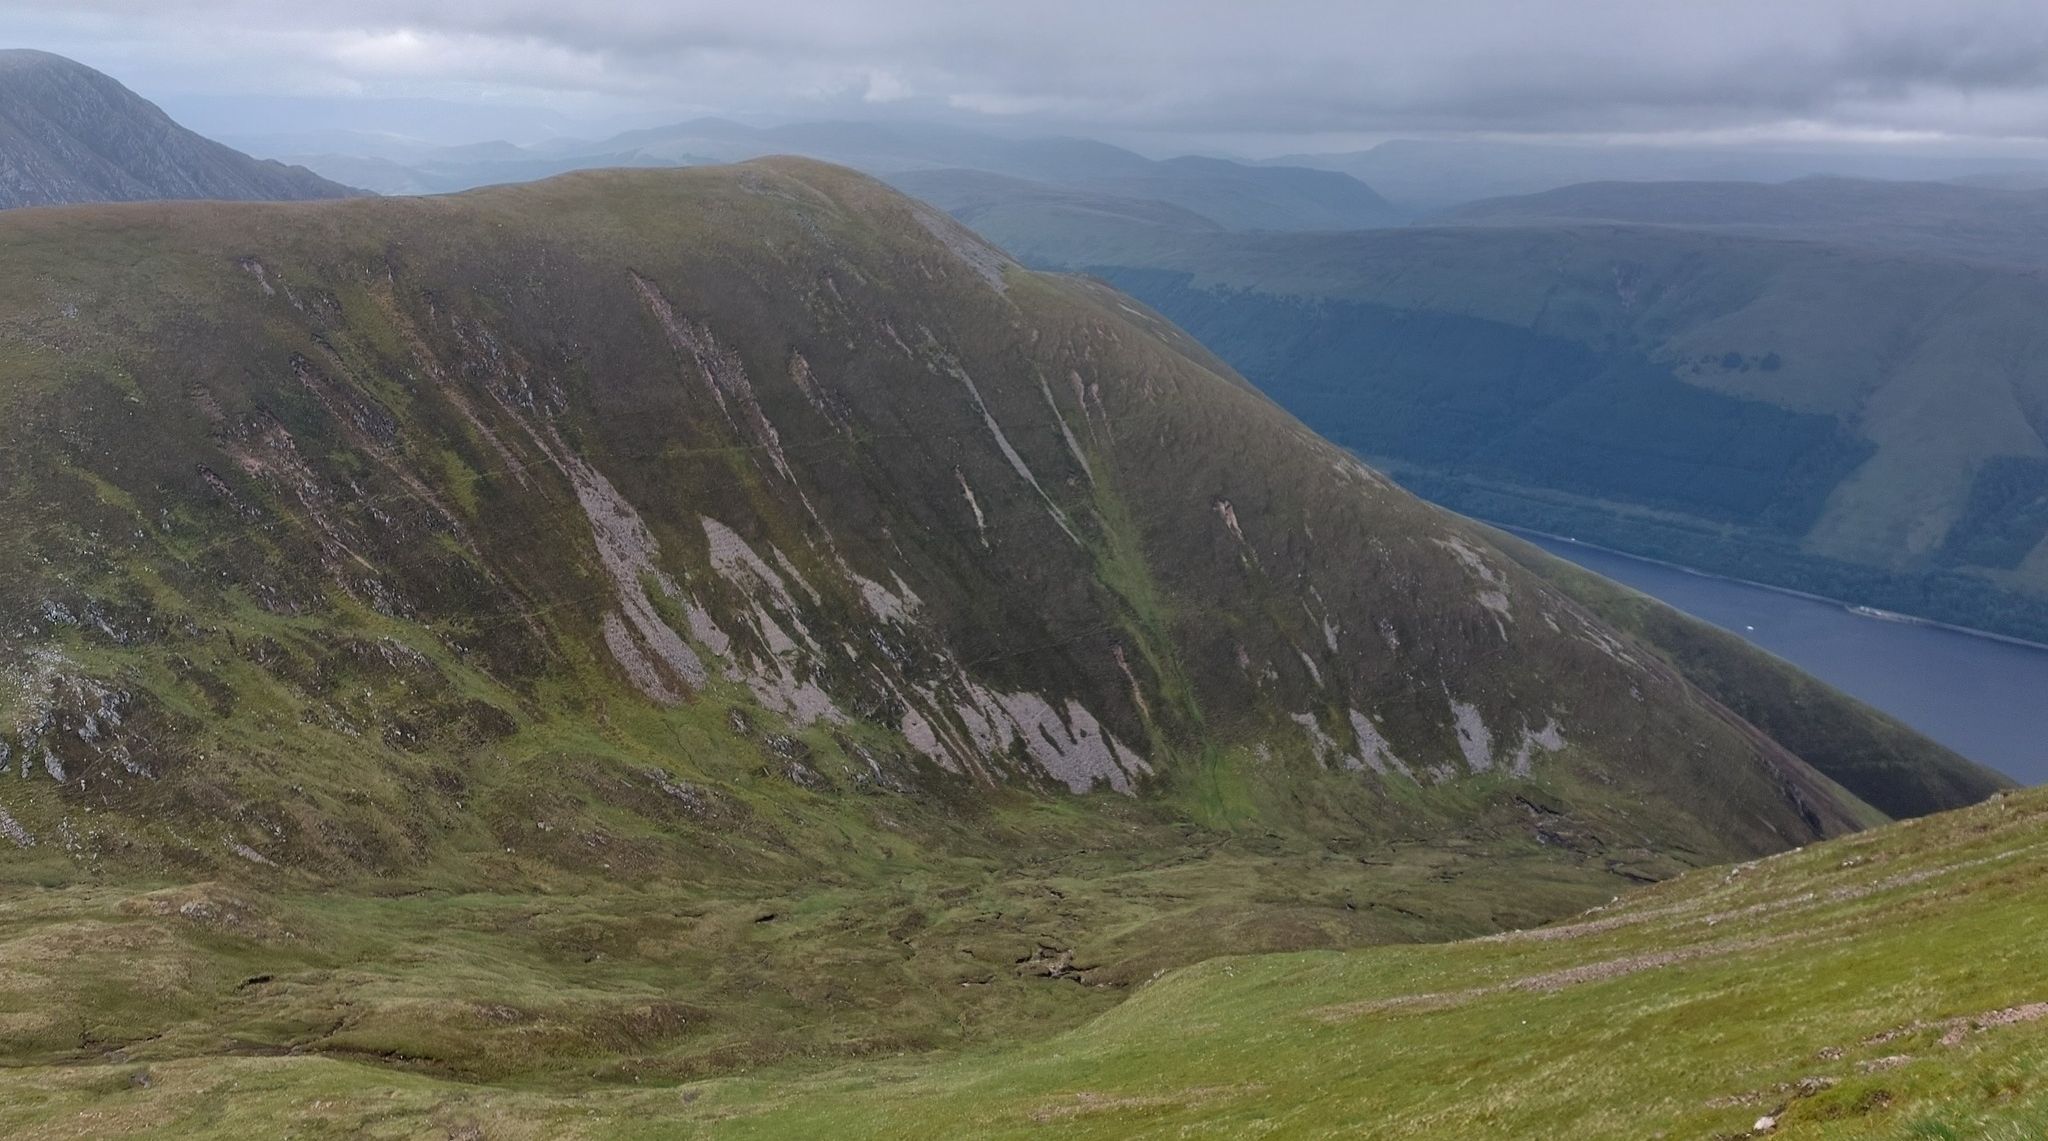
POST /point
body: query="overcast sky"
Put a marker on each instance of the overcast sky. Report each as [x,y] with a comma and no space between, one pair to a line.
[1252,75]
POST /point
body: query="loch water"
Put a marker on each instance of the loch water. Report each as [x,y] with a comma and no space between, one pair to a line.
[1985,698]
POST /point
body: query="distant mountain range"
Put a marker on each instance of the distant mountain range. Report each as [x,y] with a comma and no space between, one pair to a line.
[935,160]
[1989,224]
[71,134]
[1425,176]
[1836,385]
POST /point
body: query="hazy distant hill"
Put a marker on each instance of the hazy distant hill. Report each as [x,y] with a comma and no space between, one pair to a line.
[71,134]
[977,197]
[1425,176]
[1231,195]
[1244,197]
[1979,223]
[1827,384]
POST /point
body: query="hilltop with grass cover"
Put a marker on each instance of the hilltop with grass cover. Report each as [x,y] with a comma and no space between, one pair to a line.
[643,627]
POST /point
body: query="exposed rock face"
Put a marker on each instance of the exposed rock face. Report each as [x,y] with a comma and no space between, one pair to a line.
[761,462]
[71,134]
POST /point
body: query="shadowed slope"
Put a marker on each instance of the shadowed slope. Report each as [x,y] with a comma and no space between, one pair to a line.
[71,134]
[1861,421]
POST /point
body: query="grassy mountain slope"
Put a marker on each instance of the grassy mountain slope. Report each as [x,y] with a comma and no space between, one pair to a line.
[1872,754]
[1857,423]
[70,134]
[1882,985]
[1879,986]
[344,447]
[655,624]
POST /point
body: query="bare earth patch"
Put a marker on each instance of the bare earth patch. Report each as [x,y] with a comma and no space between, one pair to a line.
[1955,1030]
[1085,1103]
[1548,981]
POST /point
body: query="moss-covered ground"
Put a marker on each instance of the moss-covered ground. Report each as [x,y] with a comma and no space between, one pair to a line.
[1882,985]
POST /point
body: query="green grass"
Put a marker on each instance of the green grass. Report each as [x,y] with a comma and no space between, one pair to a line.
[1851,989]
[583,977]
[1806,986]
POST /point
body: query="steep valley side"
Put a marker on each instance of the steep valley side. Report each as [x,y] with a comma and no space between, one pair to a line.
[1858,420]
[647,625]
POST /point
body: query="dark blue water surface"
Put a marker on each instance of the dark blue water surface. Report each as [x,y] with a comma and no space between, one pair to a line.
[1984,698]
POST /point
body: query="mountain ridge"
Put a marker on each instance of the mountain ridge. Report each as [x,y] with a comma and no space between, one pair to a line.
[658,662]
[1231,194]
[71,134]
[1434,175]
[1937,219]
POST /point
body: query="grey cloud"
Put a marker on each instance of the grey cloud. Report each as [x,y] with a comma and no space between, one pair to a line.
[1281,68]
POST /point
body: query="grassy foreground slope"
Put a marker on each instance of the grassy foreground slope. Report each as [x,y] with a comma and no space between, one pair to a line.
[1881,985]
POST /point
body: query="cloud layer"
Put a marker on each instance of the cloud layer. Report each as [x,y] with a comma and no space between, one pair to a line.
[1278,69]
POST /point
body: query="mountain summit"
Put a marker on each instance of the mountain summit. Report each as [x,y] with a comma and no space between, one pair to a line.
[72,134]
